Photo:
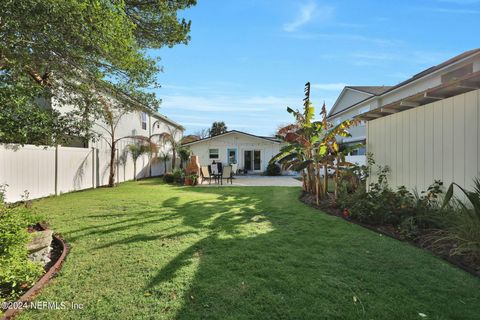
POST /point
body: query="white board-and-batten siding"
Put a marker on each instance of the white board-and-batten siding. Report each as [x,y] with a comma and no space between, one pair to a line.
[437,141]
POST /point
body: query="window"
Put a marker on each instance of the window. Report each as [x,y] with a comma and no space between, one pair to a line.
[213,153]
[144,120]
[358,152]
[232,156]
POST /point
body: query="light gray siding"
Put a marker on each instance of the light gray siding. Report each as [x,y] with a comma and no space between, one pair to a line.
[349,97]
[437,141]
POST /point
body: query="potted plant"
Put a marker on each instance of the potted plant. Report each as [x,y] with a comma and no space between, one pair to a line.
[191,180]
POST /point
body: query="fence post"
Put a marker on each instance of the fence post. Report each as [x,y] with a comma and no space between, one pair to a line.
[56,170]
[93,167]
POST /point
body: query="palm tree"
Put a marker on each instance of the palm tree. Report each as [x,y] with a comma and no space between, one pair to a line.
[172,138]
[218,127]
[137,150]
[110,117]
[184,154]
[164,156]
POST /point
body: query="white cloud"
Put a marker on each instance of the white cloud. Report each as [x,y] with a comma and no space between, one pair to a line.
[306,13]
[329,86]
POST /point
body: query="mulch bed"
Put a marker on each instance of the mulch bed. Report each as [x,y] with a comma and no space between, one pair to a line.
[463,262]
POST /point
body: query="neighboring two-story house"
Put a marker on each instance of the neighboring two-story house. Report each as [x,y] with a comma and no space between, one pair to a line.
[354,101]
[342,110]
[41,171]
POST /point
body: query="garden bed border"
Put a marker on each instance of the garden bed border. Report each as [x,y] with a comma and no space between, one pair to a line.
[40,284]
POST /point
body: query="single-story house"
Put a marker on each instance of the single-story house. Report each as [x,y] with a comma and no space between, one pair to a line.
[250,152]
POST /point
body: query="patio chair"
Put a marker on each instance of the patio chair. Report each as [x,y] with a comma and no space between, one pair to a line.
[227,174]
[206,174]
[214,169]
[234,168]
[220,167]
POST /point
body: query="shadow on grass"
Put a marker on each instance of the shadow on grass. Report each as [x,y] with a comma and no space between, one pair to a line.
[261,255]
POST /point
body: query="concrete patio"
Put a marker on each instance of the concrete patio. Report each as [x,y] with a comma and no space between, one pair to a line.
[258,181]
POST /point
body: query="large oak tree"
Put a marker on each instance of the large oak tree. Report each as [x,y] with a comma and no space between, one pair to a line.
[68,49]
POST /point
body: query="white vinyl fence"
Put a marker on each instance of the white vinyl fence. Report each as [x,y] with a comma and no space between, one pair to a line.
[44,171]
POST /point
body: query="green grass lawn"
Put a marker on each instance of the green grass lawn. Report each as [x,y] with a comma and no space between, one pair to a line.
[146,250]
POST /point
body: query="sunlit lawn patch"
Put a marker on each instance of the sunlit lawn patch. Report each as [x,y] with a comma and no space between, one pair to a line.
[146,250]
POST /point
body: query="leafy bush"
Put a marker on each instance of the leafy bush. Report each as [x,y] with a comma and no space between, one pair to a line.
[178,176]
[381,205]
[17,272]
[273,169]
[461,222]
[168,178]
[355,176]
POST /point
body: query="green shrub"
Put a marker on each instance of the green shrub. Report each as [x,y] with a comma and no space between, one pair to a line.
[273,169]
[460,222]
[17,272]
[381,205]
[168,178]
[178,176]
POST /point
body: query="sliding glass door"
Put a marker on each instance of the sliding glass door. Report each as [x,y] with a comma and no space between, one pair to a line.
[252,160]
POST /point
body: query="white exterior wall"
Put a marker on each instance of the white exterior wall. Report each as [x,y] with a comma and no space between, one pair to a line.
[232,141]
[348,98]
[437,141]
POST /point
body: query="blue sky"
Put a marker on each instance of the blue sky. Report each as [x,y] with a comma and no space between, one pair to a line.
[249,59]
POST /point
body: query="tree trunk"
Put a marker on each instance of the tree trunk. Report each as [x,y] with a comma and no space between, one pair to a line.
[134,170]
[150,165]
[174,156]
[304,176]
[325,178]
[318,184]
[336,179]
[317,187]
[111,177]
[311,179]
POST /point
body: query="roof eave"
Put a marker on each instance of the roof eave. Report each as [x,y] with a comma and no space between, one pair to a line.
[231,132]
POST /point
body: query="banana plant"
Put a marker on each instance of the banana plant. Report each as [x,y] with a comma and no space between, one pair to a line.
[333,154]
[301,137]
[312,147]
